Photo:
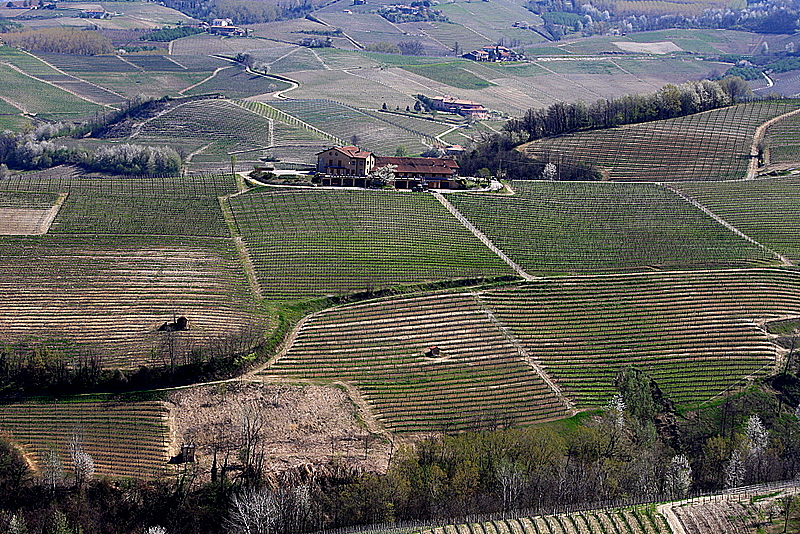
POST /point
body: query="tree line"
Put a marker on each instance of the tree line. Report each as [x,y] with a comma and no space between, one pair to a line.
[637,448]
[27,152]
[60,40]
[498,155]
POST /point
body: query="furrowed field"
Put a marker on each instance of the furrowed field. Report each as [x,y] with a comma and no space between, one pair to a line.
[125,436]
[693,339]
[121,258]
[766,210]
[584,227]
[714,145]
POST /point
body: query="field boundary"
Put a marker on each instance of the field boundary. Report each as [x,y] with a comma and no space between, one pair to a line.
[526,357]
[483,237]
[51,84]
[783,259]
[752,167]
[241,248]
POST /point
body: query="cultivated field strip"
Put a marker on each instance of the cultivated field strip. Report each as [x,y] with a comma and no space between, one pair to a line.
[766,210]
[477,380]
[125,437]
[714,145]
[89,294]
[634,520]
[783,141]
[695,333]
[198,123]
[310,243]
[64,179]
[584,227]
[105,214]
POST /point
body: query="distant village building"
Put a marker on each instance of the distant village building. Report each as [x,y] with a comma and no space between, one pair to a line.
[95,13]
[466,108]
[349,166]
[493,53]
[224,27]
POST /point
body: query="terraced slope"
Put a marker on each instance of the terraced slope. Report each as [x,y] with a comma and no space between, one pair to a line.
[344,122]
[695,333]
[477,380]
[310,243]
[714,145]
[109,295]
[766,210]
[551,227]
[125,437]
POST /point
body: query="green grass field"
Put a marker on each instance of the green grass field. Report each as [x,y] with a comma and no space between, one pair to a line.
[451,74]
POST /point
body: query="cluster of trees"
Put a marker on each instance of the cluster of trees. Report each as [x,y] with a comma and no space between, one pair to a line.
[170,34]
[60,40]
[637,448]
[601,16]
[26,151]
[244,11]
[39,370]
[669,102]
[411,48]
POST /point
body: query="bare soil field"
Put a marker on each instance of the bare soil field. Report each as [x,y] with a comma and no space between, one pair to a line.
[305,427]
[663,47]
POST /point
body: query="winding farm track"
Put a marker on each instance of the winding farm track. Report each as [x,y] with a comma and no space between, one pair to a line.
[752,167]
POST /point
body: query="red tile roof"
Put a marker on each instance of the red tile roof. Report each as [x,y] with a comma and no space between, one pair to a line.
[419,165]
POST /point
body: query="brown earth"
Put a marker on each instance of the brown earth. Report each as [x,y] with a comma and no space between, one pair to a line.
[306,427]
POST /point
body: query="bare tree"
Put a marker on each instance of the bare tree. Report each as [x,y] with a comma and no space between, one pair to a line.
[251,452]
[82,462]
[263,511]
[52,469]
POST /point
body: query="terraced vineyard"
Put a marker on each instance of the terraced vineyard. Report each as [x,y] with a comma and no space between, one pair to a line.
[604,227]
[108,296]
[766,210]
[207,122]
[714,145]
[126,437]
[477,380]
[310,243]
[692,338]
[235,82]
[344,122]
[633,520]
[695,333]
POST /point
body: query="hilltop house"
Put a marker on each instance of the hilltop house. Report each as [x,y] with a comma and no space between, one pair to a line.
[467,108]
[350,166]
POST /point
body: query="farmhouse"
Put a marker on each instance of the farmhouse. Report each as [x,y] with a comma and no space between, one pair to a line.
[349,166]
[467,108]
[224,27]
